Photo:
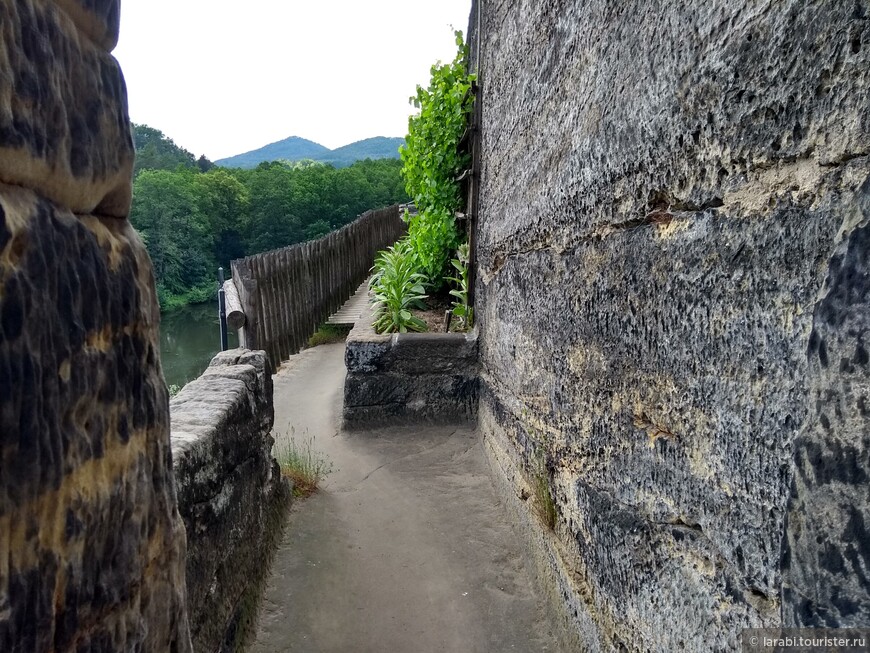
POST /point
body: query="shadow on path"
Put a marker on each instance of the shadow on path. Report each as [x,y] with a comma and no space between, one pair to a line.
[405,549]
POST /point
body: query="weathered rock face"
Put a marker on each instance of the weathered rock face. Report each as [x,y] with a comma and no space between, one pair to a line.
[230,493]
[92,548]
[673,304]
[409,377]
[64,129]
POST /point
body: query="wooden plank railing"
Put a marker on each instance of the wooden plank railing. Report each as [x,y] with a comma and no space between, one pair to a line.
[286,294]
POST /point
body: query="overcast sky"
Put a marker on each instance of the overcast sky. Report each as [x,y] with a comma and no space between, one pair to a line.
[222,77]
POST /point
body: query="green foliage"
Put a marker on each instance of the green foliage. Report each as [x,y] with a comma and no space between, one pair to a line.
[432,162]
[193,221]
[156,151]
[397,289]
[300,463]
[433,235]
[462,311]
[329,333]
[166,212]
[545,505]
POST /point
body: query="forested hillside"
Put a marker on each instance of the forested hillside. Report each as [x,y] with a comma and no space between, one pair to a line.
[193,221]
[156,151]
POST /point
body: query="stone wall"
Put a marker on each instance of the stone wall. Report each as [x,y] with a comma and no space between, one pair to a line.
[231,495]
[672,295]
[409,377]
[91,544]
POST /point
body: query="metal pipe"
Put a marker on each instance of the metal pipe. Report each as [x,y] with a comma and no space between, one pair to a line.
[222,310]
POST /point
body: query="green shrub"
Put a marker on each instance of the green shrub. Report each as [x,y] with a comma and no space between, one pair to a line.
[397,289]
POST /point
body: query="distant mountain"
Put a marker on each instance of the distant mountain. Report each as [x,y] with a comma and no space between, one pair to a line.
[298,149]
[379,147]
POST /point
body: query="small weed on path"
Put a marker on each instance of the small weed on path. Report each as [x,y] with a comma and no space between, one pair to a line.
[301,464]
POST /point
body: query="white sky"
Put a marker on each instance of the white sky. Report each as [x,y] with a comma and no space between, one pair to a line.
[222,77]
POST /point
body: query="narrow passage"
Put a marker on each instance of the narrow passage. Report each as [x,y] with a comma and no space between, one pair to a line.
[405,549]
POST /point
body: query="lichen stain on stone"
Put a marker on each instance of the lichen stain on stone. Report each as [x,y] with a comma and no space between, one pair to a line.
[113,241]
[100,340]
[93,483]
[64,371]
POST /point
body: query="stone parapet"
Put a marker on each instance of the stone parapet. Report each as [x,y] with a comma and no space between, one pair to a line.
[231,495]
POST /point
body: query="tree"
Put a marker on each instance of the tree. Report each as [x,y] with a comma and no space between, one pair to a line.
[224,204]
[165,211]
[204,164]
[195,216]
[155,151]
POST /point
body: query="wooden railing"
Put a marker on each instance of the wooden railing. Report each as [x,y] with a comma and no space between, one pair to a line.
[286,294]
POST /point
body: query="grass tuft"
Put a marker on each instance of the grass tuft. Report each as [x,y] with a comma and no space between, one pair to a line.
[329,333]
[301,464]
[545,505]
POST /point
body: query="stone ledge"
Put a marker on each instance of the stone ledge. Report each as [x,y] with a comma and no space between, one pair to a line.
[409,377]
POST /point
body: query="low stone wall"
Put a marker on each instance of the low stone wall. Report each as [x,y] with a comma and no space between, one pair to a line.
[230,492]
[409,377]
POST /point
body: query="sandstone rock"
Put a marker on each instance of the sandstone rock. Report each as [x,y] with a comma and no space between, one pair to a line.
[64,128]
[664,192]
[100,20]
[91,545]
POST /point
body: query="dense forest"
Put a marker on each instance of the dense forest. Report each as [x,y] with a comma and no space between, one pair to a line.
[195,217]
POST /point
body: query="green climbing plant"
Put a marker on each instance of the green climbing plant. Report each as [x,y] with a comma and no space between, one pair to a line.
[432,162]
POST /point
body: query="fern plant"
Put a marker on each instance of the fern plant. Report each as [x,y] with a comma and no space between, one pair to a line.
[397,289]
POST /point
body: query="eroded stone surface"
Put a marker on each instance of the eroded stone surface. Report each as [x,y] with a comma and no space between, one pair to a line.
[91,545]
[230,492]
[100,20]
[826,557]
[64,127]
[664,193]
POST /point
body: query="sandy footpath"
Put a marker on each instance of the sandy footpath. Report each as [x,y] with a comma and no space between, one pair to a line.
[404,550]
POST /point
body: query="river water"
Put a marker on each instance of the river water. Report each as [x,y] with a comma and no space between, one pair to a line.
[189,338]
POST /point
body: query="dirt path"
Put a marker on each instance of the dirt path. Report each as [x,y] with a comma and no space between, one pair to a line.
[404,550]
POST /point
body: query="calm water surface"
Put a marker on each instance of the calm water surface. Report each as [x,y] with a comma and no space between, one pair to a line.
[189,338]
